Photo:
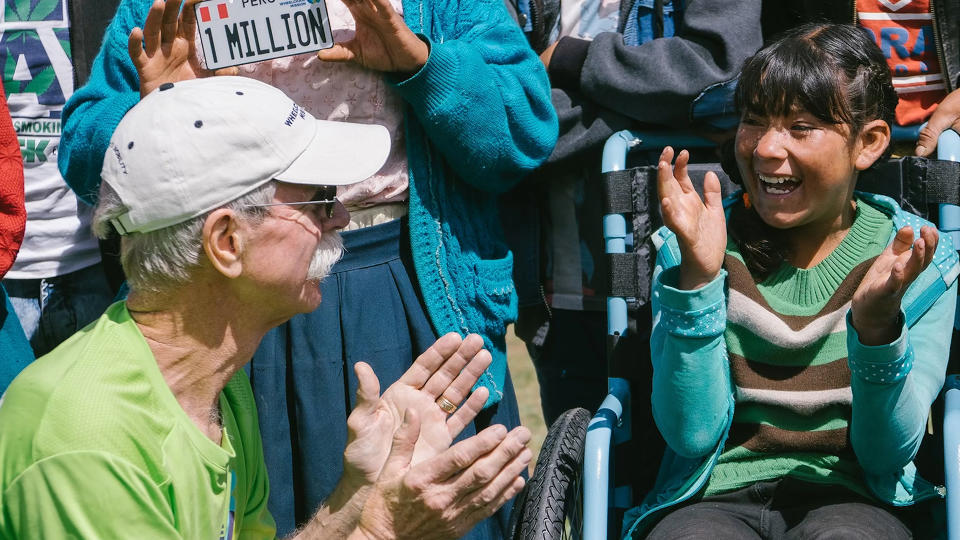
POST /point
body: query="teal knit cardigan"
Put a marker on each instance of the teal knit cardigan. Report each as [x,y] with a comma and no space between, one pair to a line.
[478,119]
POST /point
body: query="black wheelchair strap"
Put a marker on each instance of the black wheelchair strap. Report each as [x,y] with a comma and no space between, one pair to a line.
[618,198]
[623,274]
[917,184]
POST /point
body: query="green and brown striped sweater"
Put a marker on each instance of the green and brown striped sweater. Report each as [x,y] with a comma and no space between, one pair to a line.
[786,344]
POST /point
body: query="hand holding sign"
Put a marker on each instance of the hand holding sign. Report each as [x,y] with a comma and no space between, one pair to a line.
[383,42]
[165,50]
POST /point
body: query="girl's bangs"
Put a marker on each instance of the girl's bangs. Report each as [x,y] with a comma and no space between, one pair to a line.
[792,76]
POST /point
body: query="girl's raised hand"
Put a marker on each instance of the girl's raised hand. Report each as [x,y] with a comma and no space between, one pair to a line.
[875,307]
[700,225]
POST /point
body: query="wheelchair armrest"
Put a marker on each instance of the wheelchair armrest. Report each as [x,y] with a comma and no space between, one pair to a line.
[951,449]
[596,459]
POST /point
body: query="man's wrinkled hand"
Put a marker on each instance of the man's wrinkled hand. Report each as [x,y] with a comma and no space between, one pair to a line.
[450,367]
[444,497]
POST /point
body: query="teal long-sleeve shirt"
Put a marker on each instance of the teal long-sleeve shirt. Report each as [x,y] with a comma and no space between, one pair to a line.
[692,388]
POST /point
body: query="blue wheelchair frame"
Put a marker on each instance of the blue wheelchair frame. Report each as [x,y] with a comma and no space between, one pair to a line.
[611,423]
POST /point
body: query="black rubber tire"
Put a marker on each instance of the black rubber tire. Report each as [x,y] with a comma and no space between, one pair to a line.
[549,508]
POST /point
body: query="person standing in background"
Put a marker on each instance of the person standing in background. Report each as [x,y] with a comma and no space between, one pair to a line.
[613,65]
[56,285]
[920,40]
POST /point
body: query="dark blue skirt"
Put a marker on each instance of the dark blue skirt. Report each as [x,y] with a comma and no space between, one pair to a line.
[303,379]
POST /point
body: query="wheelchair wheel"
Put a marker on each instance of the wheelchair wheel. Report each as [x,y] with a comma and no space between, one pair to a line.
[550,507]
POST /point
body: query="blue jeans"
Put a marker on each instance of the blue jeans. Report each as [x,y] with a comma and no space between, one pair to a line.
[53,309]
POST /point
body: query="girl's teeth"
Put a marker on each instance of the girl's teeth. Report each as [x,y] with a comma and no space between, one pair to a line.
[776,179]
[778,185]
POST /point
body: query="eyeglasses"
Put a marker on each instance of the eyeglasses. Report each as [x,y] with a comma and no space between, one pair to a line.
[325,195]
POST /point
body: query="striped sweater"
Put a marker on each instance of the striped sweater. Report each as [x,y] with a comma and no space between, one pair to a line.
[786,344]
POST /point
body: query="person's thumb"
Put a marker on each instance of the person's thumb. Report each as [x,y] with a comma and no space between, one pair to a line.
[927,140]
[340,52]
[368,388]
[404,441]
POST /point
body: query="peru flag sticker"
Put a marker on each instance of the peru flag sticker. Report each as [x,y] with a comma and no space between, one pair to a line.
[221,12]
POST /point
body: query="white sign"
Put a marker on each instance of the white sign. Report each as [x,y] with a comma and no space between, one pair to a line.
[234,32]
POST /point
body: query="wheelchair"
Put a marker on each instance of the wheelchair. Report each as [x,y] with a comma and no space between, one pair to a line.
[584,480]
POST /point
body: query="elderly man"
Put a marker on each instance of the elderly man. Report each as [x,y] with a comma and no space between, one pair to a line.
[143,425]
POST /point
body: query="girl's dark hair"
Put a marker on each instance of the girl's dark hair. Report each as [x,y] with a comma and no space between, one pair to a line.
[835,72]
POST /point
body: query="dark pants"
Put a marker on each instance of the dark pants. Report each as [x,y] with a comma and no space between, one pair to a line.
[571,364]
[788,509]
[303,379]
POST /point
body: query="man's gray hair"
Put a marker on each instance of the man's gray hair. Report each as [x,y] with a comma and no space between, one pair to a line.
[157,260]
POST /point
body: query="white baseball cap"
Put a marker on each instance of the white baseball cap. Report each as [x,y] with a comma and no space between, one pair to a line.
[190,147]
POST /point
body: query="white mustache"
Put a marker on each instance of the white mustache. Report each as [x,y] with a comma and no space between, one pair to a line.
[328,253]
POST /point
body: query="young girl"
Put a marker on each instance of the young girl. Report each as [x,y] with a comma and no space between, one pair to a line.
[801,335]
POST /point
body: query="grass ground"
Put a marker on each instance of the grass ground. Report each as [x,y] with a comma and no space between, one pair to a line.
[528,391]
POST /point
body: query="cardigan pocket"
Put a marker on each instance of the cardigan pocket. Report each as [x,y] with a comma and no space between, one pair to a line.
[496,296]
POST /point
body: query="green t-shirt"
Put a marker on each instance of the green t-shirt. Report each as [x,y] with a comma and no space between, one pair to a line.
[93,444]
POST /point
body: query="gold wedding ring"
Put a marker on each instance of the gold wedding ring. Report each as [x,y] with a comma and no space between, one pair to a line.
[446,405]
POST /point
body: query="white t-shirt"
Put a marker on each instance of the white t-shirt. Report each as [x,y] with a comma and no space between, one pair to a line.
[38,79]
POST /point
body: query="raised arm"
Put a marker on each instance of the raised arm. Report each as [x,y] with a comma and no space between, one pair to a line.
[93,112]
[483,97]
[897,372]
[691,374]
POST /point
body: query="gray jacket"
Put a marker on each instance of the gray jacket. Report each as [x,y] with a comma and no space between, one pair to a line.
[604,85]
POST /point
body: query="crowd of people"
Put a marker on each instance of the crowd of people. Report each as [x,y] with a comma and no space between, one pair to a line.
[211,275]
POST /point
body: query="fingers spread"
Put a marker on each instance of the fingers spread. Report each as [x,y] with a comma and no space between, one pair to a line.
[430,361]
